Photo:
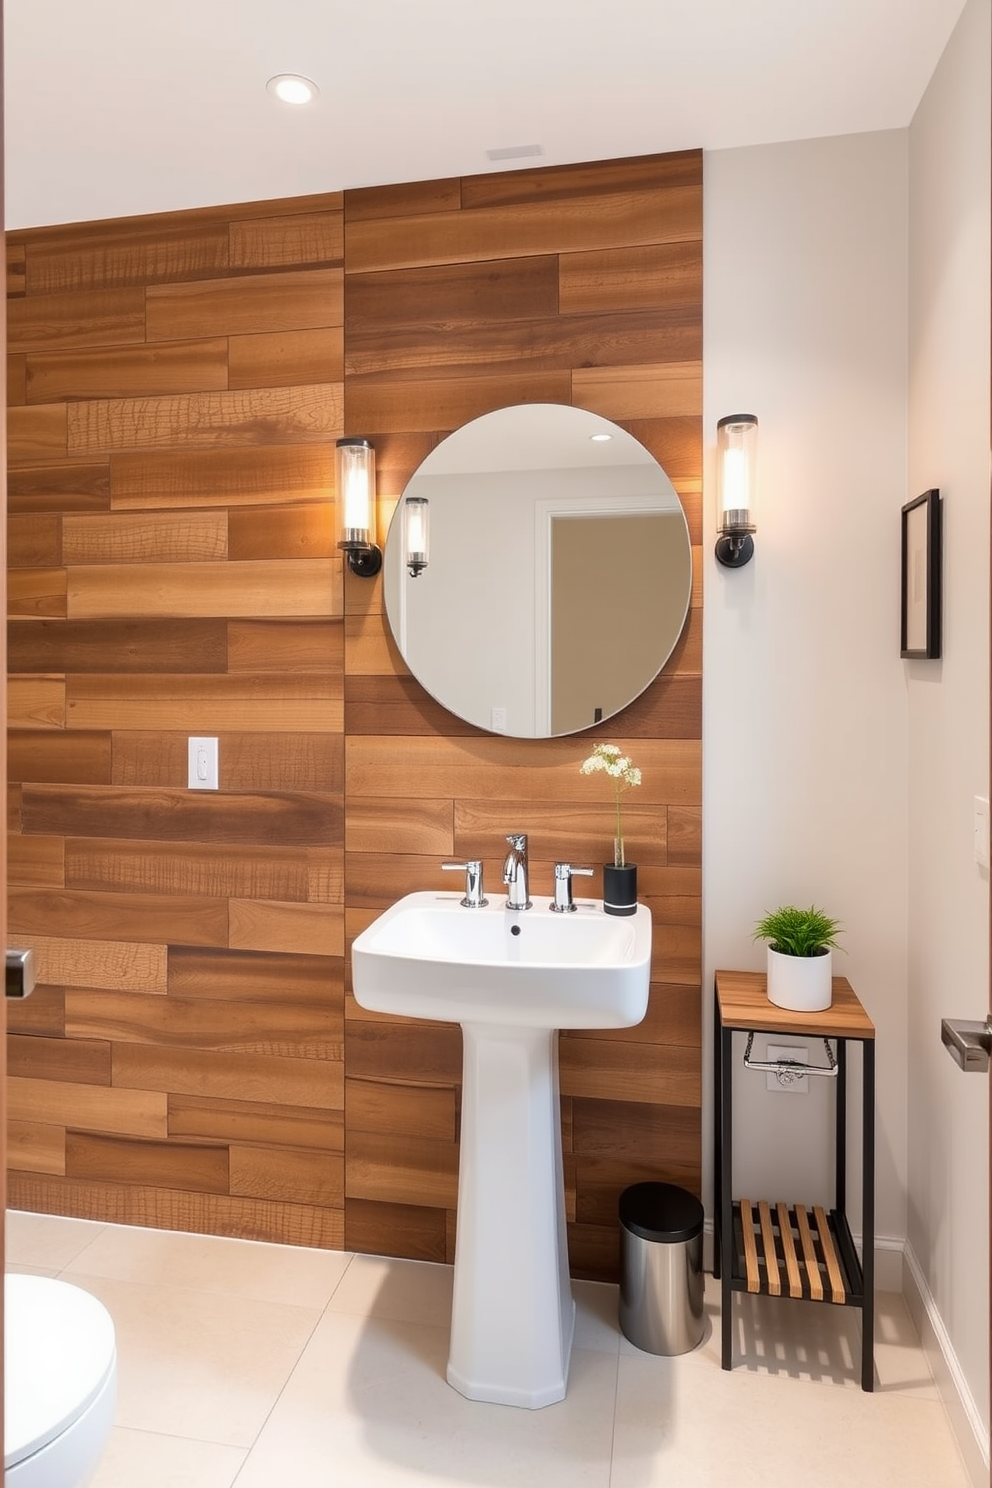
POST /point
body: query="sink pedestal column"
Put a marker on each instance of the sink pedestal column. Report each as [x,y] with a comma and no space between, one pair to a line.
[513,1315]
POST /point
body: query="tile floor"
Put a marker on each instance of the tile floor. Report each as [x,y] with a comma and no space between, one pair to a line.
[262,1366]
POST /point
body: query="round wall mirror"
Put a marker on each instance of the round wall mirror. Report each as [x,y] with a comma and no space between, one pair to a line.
[558,571]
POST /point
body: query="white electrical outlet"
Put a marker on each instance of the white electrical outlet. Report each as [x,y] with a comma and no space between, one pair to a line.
[499,720]
[203,765]
[786,1080]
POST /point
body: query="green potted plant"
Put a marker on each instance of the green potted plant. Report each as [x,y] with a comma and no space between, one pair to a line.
[619,877]
[800,961]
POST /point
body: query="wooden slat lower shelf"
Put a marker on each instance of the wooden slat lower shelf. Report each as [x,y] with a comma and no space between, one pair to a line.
[791,1251]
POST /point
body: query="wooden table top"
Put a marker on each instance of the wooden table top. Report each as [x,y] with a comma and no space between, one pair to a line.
[743,1000]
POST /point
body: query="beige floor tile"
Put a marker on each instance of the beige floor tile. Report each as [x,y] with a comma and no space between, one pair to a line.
[194,1364]
[700,1426]
[49,1241]
[408,1291]
[801,1340]
[142,1459]
[294,1275]
[596,1325]
[368,1404]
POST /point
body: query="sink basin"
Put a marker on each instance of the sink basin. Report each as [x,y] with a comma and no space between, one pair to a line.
[512,979]
[430,957]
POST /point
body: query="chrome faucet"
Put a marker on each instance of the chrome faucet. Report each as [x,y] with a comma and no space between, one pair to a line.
[515,872]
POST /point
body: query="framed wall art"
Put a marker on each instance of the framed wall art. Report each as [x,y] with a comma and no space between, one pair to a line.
[921,564]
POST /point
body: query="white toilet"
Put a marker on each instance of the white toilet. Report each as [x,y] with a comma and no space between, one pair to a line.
[60,1380]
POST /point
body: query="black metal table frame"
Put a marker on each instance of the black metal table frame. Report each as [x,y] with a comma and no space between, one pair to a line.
[723,1238]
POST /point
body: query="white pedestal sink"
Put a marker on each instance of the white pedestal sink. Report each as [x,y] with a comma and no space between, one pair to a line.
[511,979]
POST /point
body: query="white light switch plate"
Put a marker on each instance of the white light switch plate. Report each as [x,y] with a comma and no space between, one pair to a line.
[204,770]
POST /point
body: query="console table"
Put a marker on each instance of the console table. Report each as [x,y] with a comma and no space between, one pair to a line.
[783,1250]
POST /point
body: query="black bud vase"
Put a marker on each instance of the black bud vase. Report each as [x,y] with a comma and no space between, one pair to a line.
[620,889]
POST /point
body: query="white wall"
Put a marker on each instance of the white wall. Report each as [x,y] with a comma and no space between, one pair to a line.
[804,691]
[948,701]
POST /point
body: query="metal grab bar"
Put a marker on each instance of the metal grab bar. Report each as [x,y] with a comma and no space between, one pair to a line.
[790,1069]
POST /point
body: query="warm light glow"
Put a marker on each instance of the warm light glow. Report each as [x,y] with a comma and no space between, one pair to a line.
[415,528]
[600,438]
[355,492]
[290,87]
[736,454]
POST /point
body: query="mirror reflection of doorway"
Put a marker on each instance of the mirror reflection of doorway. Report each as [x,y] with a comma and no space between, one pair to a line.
[617,584]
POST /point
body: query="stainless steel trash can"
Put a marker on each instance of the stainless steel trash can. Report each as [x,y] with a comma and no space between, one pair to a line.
[661,1268]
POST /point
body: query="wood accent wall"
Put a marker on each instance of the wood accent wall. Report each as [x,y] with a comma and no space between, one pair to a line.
[194,1058]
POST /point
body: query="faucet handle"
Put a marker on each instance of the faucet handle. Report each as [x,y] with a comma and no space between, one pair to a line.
[474,896]
[518,841]
[564,873]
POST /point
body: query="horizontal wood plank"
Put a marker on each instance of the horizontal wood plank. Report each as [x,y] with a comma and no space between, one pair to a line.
[296,238]
[255,1123]
[278,819]
[291,1029]
[189,590]
[260,475]
[175,1165]
[97,1108]
[126,371]
[296,299]
[250,416]
[284,1175]
[279,1081]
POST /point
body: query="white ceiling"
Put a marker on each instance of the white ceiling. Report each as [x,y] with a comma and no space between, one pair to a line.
[116,107]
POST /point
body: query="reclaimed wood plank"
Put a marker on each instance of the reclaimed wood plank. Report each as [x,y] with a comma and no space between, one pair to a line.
[34,541]
[517,230]
[286,358]
[262,925]
[126,371]
[256,1123]
[160,815]
[100,318]
[66,487]
[175,1165]
[292,300]
[36,593]
[279,1080]
[36,702]
[131,646]
[293,1030]
[245,417]
[288,241]
[260,475]
[281,1174]
[247,977]
[59,758]
[97,1108]
[664,390]
[282,587]
[172,1209]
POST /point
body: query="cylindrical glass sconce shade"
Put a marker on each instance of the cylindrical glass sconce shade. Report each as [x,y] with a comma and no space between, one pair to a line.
[355,481]
[416,513]
[737,473]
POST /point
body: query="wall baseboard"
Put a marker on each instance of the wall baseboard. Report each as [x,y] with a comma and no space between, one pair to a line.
[963,1413]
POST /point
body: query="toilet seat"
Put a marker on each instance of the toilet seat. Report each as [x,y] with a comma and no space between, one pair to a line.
[60,1382]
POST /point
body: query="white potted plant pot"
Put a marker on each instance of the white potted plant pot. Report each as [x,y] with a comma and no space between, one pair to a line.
[802,984]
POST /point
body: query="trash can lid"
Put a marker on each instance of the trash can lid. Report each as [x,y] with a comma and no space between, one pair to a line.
[661,1211]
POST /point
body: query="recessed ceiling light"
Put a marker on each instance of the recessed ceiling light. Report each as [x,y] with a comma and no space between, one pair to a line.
[292,87]
[600,438]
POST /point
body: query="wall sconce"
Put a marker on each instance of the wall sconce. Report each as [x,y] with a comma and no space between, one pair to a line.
[355,511]
[416,511]
[736,481]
